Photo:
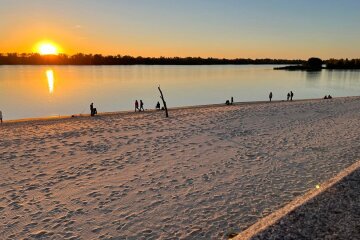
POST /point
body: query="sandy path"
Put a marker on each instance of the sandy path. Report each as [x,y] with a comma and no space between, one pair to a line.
[202,174]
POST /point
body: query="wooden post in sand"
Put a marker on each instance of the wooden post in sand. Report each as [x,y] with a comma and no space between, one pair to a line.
[163,100]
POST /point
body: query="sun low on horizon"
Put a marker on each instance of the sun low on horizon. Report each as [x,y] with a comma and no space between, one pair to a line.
[47,48]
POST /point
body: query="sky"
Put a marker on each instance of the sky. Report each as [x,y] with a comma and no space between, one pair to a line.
[289,29]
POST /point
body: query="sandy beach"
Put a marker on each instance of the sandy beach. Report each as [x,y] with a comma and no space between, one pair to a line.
[204,173]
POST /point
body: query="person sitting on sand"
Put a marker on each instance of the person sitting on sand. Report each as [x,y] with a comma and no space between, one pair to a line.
[141,106]
[288,97]
[1,117]
[325,97]
[270,96]
[157,107]
[93,110]
[291,95]
[137,105]
[329,97]
[227,102]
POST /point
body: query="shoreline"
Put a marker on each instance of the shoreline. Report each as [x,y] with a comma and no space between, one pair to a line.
[151,111]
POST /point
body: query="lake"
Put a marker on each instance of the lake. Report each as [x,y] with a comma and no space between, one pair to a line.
[37,91]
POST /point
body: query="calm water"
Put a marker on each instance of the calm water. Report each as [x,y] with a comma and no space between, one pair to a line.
[35,91]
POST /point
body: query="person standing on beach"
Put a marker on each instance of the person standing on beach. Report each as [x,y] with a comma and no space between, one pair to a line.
[137,105]
[288,97]
[232,100]
[291,95]
[1,116]
[93,110]
[141,106]
[270,96]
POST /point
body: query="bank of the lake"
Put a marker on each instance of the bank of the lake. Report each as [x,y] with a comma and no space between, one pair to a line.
[204,173]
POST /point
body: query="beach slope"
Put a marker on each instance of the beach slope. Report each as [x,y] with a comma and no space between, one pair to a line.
[204,173]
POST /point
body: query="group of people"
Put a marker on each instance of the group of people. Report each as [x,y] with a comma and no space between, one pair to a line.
[290,96]
[231,102]
[139,107]
[328,97]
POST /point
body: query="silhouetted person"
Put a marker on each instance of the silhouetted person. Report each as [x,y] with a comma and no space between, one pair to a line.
[137,105]
[270,96]
[157,106]
[329,97]
[232,100]
[326,97]
[288,97]
[227,102]
[93,110]
[291,95]
[142,106]
[1,117]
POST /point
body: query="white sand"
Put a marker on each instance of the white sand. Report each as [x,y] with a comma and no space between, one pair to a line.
[201,174]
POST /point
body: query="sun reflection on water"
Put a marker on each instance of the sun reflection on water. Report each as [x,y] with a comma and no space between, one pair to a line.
[50,79]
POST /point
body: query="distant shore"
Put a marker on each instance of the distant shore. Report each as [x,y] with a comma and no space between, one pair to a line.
[99,59]
[317,64]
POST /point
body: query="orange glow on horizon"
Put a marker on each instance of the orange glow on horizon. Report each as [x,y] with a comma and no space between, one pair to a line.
[47,48]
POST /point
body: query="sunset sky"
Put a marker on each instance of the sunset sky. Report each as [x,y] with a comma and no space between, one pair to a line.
[216,28]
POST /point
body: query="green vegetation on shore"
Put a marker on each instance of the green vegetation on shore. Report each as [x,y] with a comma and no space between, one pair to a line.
[316,64]
[98,59]
[313,64]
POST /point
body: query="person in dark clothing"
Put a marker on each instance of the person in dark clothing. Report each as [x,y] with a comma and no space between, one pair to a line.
[141,106]
[270,96]
[232,100]
[329,97]
[288,97]
[93,111]
[157,106]
[291,95]
[137,105]
[227,102]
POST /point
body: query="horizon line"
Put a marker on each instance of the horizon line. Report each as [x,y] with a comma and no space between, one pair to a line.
[166,57]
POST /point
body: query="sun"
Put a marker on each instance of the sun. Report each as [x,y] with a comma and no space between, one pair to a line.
[47,48]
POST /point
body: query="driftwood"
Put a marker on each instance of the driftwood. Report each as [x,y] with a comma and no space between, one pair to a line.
[163,100]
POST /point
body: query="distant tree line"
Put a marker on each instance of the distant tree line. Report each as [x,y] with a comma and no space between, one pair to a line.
[343,63]
[98,59]
[316,64]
